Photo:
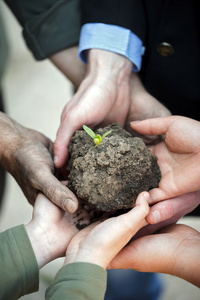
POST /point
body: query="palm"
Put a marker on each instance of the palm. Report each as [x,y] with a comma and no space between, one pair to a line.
[59,224]
[136,254]
[177,173]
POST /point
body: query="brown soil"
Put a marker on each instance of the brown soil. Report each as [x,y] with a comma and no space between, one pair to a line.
[111,176]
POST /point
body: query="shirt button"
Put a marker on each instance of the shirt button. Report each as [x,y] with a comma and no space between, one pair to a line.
[165,49]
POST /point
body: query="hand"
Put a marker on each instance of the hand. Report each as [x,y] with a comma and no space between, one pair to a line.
[51,229]
[102,98]
[143,106]
[100,242]
[178,156]
[175,251]
[27,155]
[168,212]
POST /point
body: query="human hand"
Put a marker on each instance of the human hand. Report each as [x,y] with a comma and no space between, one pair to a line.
[178,156]
[168,212]
[143,106]
[27,155]
[174,250]
[102,98]
[51,229]
[100,242]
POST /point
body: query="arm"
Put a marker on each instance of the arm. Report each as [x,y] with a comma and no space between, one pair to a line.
[26,249]
[93,248]
[27,155]
[49,26]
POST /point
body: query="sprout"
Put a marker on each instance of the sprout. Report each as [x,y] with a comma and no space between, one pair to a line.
[97,138]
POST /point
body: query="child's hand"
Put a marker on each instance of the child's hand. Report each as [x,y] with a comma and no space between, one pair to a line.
[100,242]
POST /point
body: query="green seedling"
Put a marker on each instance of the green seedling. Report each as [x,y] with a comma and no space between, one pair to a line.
[97,138]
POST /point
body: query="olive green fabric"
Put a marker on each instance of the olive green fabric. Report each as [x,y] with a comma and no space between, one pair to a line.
[19,269]
[48,26]
[78,281]
[20,274]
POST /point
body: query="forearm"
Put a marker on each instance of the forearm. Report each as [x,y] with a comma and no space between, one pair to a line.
[19,270]
[49,26]
[187,262]
[70,65]
[82,280]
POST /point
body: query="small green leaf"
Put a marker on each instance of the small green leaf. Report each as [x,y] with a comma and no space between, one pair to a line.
[105,134]
[89,131]
[97,139]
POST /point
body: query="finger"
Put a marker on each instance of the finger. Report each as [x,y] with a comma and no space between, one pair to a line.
[58,193]
[154,126]
[138,214]
[165,210]
[61,147]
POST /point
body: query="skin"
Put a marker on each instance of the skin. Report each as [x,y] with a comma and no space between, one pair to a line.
[178,154]
[27,155]
[51,229]
[175,251]
[100,242]
[109,93]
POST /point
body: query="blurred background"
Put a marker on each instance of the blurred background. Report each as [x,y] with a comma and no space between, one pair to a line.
[35,94]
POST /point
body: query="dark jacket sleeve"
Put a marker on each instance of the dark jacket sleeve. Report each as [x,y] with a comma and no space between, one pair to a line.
[49,26]
[125,13]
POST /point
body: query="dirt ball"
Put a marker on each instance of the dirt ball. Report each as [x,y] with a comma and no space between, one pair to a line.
[110,176]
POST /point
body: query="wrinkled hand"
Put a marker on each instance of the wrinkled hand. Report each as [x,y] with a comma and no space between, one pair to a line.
[102,98]
[51,229]
[27,155]
[175,251]
[178,156]
[100,242]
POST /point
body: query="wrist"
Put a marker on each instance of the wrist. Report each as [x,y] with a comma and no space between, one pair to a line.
[86,256]
[40,244]
[109,65]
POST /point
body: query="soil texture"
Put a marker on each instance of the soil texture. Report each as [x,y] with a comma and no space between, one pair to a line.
[109,177]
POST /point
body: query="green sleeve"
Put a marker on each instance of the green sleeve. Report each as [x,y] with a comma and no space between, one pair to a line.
[49,26]
[19,273]
[78,281]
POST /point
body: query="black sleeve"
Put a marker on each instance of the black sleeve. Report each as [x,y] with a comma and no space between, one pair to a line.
[125,13]
[49,26]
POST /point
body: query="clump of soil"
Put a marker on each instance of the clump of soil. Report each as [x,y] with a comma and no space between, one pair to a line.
[111,176]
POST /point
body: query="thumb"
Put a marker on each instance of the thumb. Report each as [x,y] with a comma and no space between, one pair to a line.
[58,193]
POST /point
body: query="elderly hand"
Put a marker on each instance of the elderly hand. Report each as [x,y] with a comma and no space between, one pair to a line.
[27,155]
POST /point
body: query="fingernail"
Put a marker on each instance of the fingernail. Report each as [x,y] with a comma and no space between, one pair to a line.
[146,196]
[55,159]
[156,216]
[134,122]
[68,205]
